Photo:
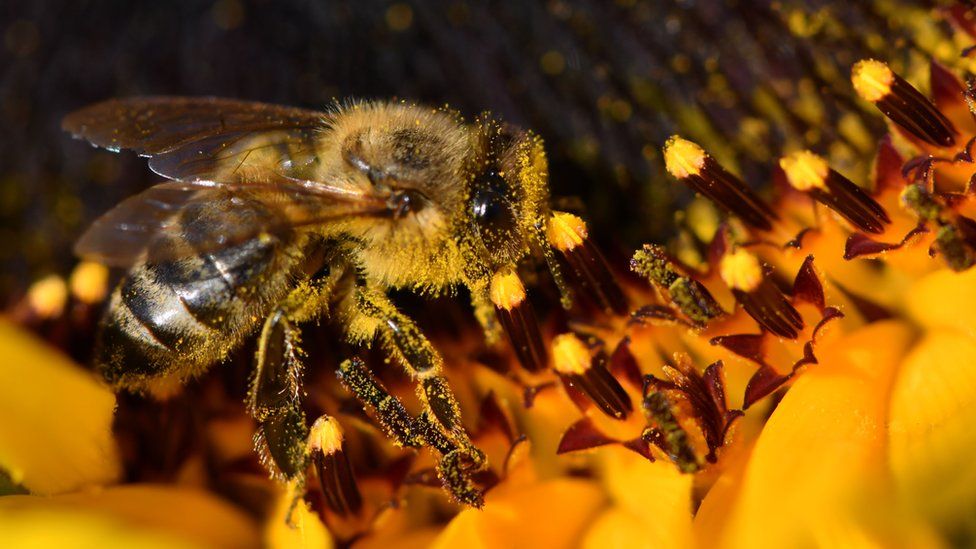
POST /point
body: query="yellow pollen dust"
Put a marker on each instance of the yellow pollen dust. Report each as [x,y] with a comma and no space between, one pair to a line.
[507,291]
[805,170]
[872,79]
[89,282]
[326,436]
[566,231]
[683,158]
[570,355]
[740,270]
[48,296]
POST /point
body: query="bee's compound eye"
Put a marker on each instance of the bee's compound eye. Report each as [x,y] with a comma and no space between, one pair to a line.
[493,216]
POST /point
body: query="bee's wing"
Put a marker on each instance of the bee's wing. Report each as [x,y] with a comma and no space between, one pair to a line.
[179,219]
[203,138]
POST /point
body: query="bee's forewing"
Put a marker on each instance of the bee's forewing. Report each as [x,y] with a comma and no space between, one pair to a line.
[155,125]
[253,160]
[175,219]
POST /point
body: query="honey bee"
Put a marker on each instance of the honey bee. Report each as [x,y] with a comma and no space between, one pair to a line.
[272,216]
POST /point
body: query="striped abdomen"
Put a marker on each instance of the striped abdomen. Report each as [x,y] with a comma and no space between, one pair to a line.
[178,317]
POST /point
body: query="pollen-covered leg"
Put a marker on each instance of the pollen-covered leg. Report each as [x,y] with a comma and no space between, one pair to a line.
[404,340]
[274,400]
[458,461]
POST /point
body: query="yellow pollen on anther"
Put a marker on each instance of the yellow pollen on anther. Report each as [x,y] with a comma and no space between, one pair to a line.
[872,79]
[48,296]
[570,355]
[89,282]
[805,170]
[325,436]
[566,231]
[683,158]
[507,291]
[741,270]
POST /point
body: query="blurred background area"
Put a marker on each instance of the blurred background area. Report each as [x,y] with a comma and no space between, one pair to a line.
[604,82]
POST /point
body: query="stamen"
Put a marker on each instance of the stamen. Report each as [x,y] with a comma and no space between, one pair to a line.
[670,436]
[569,234]
[876,83]
[578,368]
[955,238]
[811,174]
[326,448]
[518,319]
[89,282]
[47,297]
[690,164]
[758,295]
[689,295]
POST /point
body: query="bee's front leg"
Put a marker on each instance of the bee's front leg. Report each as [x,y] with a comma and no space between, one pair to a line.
[457,462]
[405,342]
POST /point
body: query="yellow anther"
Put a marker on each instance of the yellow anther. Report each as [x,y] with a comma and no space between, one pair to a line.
[325,436]
[507,291]
[48,296]
[872,79]
[683,158]
[89,282]
[566,231]
[741,270]
[805,170]
[570,355]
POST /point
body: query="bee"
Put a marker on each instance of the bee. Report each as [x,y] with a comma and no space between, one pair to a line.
[272,216]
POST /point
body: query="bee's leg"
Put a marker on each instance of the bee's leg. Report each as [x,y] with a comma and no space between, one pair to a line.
[274,398]
[456,462]
[404,341]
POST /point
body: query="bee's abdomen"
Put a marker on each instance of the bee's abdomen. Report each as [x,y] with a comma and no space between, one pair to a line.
[179,317]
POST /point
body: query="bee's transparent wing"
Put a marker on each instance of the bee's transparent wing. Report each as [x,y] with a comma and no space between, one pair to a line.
[204,138]
[177,219]
[240,169]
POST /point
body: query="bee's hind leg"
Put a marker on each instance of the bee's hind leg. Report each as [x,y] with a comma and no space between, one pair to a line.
[274,398]
[275,394]
[456,462]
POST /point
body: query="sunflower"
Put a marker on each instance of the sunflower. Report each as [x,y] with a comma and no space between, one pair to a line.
[793,368]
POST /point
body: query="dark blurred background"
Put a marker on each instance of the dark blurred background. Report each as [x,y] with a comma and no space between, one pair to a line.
[604,82]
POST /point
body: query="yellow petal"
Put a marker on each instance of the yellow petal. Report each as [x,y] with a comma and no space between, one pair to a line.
[548,514]
[619,528]
[140,515]
[55,418]
[945,299]
[932,434]
[305,529]
[822,447]
[656,494]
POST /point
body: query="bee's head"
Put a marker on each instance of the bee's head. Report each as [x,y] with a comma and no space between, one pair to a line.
[509,193]
[409,156]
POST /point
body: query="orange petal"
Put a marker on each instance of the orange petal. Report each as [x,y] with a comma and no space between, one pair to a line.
[549,514]
[821,448]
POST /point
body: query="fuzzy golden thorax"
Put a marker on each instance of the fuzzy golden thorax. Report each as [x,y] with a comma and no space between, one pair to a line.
[471,191]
